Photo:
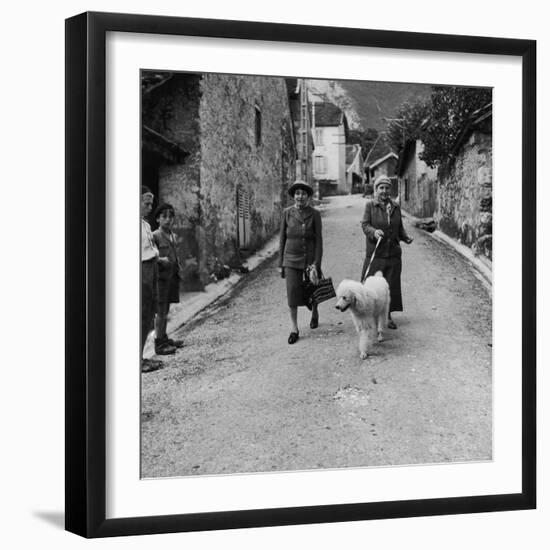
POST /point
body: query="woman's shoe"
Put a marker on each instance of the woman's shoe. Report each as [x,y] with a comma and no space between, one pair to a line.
[314,323]
[293,337]
[391,324]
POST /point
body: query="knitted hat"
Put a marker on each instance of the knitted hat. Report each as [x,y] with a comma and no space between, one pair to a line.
[380,180]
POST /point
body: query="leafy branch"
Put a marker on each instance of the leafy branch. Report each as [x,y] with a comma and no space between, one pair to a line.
[437,121]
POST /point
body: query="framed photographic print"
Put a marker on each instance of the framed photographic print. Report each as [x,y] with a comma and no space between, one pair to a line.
[222,177]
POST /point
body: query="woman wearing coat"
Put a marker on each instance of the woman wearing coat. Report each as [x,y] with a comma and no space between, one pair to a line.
[382,219]
[301,245]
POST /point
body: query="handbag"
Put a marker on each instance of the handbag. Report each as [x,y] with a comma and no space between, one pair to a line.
[320,292]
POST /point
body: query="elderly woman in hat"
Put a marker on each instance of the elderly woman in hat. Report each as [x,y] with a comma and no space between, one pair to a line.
[382,220]
[301,245]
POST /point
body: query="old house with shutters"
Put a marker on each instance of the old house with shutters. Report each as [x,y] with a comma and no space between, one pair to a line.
[330,132]
[222,150]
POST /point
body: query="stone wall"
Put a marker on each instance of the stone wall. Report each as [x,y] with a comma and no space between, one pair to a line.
[173,111]
[215,118]
[465,195]
[233,157]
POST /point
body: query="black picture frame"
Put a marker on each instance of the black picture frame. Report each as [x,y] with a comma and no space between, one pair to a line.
[86,263]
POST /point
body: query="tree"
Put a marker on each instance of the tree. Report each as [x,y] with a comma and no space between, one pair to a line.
[437,121]
[451,110]
[366,138]
[407,123]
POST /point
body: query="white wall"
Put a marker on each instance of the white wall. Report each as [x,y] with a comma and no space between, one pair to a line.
[32,389]
[328,147]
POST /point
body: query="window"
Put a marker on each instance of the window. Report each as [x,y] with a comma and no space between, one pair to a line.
[258,126]
[320,165]
[318,136]
[406,189]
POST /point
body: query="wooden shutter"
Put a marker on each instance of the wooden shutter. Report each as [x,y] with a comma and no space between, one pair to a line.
[243,214]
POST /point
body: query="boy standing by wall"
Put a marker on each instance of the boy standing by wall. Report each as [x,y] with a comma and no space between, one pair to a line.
[169,277]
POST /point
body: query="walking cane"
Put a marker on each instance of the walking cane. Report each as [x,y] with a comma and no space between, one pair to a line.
[371,258]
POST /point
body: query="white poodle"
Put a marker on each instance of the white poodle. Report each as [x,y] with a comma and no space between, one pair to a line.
[369,304]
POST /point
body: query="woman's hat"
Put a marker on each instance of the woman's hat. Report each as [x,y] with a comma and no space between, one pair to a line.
[300,184]
[380,180]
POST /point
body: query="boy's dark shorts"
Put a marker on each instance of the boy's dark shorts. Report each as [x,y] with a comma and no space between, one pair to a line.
[169,291]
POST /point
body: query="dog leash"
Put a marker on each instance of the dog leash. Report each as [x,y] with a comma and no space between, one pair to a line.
[371,258]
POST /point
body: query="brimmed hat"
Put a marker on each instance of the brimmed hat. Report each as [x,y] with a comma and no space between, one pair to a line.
[300,184]
[380,180]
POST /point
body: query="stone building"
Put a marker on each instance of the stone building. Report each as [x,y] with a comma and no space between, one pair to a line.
[221,149]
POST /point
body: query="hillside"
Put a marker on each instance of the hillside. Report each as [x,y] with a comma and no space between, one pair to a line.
[375,100]
[366,103]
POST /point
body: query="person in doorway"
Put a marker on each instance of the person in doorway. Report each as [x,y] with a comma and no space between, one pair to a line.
[382,220]
[169,277]
[300,246]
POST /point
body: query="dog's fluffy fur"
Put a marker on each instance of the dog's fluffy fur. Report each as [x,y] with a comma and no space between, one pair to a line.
[369,304]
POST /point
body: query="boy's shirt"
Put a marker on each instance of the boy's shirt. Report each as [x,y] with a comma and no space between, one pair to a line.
[148,247]
[166,244]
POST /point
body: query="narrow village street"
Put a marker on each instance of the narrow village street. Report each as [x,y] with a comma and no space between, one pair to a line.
[238,398]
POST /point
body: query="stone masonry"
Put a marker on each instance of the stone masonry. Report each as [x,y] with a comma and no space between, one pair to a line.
[465,195]
[239,136]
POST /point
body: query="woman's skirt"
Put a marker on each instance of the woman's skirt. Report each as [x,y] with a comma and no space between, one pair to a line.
[391,269]
[294,286]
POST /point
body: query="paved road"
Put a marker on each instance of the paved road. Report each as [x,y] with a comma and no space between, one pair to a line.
[238,398]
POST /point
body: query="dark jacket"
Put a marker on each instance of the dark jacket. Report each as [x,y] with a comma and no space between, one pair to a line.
[301,239]
[376,217]
[167,249]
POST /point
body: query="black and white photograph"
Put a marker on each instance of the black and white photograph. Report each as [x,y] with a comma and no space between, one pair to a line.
[275,275]
[316,269]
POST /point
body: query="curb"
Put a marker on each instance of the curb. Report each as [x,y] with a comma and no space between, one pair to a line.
[483,270]
[192,303]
